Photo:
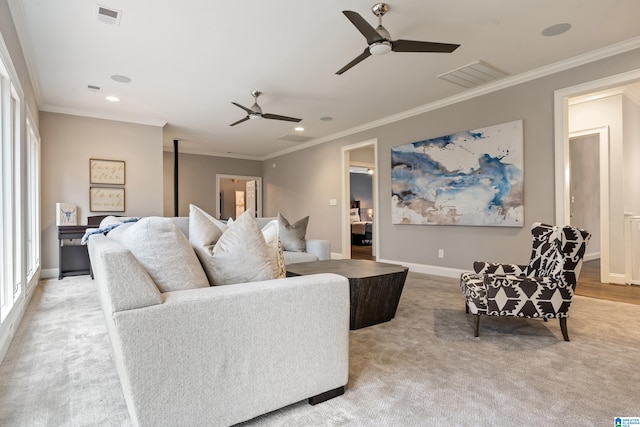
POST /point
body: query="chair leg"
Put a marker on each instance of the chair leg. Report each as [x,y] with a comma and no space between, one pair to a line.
[563,328]
[466,307]
[476,325]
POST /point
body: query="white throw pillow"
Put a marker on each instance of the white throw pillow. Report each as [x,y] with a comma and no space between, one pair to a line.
[203,228]
[354,214]
[239,255]
[164,251]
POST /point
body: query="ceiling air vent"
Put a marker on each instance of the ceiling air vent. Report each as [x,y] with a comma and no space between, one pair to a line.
[108,16]
[94,88]
[473,74]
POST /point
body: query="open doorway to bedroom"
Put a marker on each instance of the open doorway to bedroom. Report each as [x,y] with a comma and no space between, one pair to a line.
[360,201]
[597,122]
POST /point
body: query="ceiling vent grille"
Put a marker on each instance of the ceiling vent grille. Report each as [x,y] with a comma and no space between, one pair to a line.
[108,16]
[94,88]
[473,74]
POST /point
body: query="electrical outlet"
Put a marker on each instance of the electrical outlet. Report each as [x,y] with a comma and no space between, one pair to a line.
[440,253]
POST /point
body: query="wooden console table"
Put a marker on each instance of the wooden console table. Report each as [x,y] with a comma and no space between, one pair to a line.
[73,259]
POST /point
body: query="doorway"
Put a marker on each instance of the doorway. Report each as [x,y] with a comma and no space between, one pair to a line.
[589,192]
[236,194]
[361,158]
[612,247]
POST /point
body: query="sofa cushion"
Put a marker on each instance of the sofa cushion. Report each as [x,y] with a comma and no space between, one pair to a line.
[238,255]
[164,251]
[296,257]
[293,235]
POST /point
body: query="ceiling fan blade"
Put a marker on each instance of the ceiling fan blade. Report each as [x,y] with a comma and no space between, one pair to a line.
[277,117]
[417,46]
[364,55]
[248,110]
[363,26]
[240,121]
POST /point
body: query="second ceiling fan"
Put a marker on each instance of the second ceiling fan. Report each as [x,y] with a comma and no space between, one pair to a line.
[379,40]
[255,112]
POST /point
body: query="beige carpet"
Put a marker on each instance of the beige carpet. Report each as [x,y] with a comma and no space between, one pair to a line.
[424,368]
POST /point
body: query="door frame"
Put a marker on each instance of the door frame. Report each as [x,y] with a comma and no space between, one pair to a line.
[258,180]
[346,201]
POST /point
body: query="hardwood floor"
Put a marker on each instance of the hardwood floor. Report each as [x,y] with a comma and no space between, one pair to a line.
[362,252]
[589,285]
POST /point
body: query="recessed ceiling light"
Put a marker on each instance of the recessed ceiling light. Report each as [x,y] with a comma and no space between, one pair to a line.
[120,79]
[326,119]
[556,30]
[112,98]
[299,129]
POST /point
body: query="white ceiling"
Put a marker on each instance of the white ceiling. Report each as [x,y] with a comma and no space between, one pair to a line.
[189,60]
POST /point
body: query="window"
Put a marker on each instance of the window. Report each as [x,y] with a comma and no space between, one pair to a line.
[19,191]
[33,201]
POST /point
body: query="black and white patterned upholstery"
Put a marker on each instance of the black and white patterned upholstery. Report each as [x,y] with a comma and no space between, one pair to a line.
[543,288]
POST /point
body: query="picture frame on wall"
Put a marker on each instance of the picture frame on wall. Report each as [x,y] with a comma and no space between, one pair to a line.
[102,171]
[106,199]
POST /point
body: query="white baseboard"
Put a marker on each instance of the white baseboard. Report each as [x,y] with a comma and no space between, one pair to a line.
[49,273]
[618,279]
[591,256]
[428,269]
[336,255]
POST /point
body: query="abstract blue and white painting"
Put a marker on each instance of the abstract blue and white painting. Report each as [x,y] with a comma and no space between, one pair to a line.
[467,178]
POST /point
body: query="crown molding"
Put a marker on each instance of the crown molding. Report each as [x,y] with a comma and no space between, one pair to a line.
[505,82]
[116,117]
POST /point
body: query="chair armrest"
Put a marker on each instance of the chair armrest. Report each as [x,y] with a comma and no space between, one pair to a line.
[523,296]
[498,268]
[319,248]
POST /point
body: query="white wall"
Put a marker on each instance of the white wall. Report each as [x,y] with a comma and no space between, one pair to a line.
[631,154]
[608,112]
[68,142]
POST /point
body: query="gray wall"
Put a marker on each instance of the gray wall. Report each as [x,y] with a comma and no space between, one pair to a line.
[197,179]
[68,142]
[361,189]
[319,168]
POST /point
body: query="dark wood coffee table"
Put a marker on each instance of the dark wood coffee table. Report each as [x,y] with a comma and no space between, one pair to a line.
[375,287]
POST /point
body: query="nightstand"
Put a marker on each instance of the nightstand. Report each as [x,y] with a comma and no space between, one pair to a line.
[73,257]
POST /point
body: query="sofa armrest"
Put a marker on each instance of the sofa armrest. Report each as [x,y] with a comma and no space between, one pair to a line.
[319,248]
[225,354]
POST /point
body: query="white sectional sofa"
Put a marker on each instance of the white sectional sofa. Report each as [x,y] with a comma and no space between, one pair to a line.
[220,355]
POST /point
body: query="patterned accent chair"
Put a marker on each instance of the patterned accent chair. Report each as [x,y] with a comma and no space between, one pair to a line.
[543,288]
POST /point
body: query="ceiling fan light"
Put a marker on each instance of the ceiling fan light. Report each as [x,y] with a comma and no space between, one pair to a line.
[255,116]
[380,48]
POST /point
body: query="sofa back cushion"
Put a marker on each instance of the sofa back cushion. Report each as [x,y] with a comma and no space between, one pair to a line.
[164,251]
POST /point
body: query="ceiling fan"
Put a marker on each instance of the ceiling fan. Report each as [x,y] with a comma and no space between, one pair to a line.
[379,40]
[255,112]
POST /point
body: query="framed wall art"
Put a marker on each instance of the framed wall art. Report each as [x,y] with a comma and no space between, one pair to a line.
[467,178]
[106,199]
[106,171]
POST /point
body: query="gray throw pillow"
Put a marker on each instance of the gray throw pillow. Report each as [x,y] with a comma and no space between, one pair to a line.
[292,236]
